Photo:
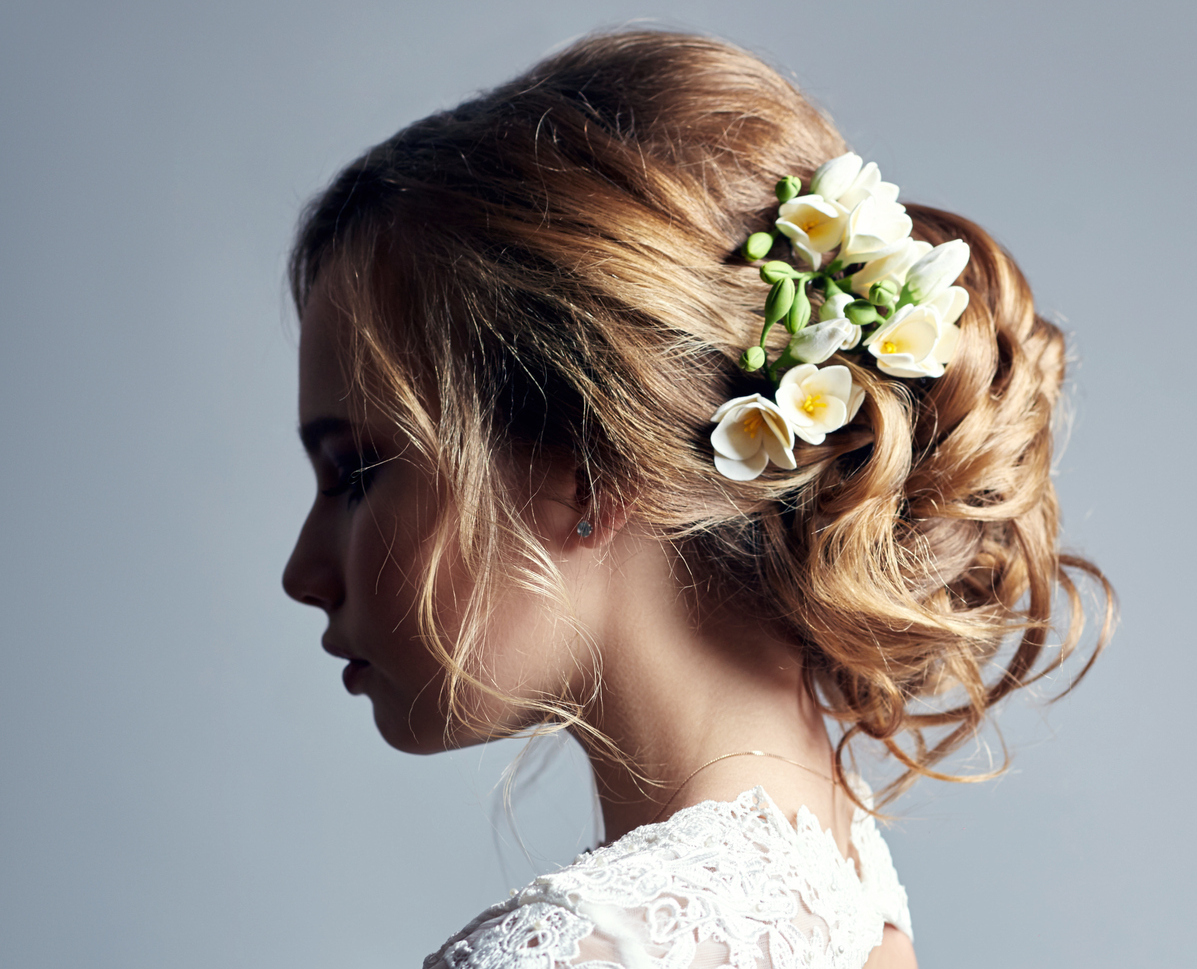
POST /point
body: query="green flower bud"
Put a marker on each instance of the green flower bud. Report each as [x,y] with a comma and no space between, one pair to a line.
[861,313]
[752,359]
[832,287]
[884,292]
[799,314]
[781,298]
[775,271]
[758,246]
[788,188]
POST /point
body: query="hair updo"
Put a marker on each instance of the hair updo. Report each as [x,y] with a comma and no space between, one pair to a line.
[553,267]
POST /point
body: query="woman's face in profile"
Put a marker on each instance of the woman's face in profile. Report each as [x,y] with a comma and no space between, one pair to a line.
[362,554]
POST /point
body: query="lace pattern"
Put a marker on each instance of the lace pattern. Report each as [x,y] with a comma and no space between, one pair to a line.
[721,883]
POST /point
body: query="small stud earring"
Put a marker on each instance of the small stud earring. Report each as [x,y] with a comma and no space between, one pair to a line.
[584,530]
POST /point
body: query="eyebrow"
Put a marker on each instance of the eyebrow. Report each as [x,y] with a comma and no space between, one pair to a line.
[313,432]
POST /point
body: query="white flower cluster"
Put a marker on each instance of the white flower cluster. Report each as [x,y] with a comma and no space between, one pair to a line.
[878,280]
[753,430]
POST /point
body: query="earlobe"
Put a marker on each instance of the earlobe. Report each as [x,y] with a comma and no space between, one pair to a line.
[602,518]
[570,514]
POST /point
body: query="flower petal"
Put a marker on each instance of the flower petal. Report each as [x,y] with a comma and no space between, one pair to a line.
[903,365]
[800,243]
[862,186]
[736,402]
[832,178]
[778,453]
[950,304]
[914,329]
[816,342]
[796,375]
[875,228]
[886,191]
[945,347]
[832,415]
[775,421]
[937,270]
[834,381]
[741,470]
[893,265]
[730,438]
[854,402]
[798,209]
[811,434]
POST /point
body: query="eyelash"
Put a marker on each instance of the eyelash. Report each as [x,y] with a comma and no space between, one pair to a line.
[352,481]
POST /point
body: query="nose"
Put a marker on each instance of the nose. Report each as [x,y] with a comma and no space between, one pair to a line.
[312,574]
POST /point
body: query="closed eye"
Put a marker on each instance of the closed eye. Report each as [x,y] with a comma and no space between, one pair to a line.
[354,478]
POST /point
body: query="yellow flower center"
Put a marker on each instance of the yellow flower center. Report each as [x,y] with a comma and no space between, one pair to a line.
[752,423]
[812,402]
[889,347]
[811,223]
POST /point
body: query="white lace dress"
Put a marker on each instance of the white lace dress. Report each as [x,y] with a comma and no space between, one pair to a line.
[721,883]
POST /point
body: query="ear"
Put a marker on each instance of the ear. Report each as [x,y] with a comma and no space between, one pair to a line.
[565,499]
[604,515]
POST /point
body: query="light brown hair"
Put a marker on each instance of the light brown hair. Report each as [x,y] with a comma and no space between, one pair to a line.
[552,267]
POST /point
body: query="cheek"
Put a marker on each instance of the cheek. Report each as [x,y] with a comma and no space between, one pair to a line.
[526,650]
[382,578]
[386,559]
[390,542]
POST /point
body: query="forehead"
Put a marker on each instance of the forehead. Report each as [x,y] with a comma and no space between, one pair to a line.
[323,387]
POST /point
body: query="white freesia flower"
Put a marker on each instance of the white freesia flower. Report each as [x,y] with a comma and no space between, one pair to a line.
[818,400]
[936,270]
[813,225]
[892,267]
[867,183]
[751,433]
[832,178]
[875,228]
[920,339]
[816,342]
[848,181]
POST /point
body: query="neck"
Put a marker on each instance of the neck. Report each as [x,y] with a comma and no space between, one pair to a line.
[684,684]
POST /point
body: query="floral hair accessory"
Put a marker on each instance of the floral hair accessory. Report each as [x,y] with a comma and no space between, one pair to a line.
[882,295]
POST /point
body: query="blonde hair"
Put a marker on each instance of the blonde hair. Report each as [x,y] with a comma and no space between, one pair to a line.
[552,268]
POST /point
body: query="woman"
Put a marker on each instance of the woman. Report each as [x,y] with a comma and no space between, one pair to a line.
[569,478]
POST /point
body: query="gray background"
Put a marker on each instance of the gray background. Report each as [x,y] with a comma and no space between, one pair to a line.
[185,783]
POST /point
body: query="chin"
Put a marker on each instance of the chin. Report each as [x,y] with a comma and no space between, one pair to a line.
[409,735]
[413,733]
[405,734]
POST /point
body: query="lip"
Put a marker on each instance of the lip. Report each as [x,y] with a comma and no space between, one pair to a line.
[352,675]
[334,650]
[354,670]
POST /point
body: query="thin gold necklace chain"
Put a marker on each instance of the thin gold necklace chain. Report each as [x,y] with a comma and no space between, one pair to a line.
[740,753]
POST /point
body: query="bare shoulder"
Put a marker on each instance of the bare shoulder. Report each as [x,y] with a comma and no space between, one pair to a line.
[895,952]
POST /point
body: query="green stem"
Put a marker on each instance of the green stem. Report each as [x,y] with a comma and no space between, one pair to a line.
[783,362]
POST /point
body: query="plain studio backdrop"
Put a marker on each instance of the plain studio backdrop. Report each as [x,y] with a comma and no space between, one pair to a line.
[186,783]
